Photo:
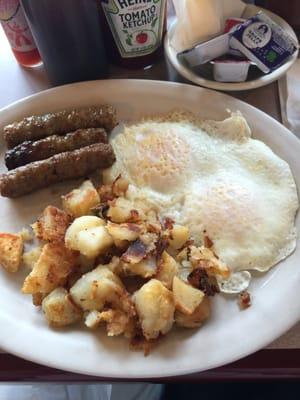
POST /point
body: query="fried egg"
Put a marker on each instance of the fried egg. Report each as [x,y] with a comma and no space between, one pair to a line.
[214,178]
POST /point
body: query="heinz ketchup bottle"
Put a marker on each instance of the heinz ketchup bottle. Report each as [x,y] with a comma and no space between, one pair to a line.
[18,33]
[133,30]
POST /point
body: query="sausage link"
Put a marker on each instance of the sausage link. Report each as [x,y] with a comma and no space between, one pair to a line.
[29,151]
[40,126]
[63,166]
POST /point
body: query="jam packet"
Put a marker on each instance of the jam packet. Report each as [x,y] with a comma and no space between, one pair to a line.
[264,42]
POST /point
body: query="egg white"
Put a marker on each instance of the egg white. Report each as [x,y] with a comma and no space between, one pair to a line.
[213,177]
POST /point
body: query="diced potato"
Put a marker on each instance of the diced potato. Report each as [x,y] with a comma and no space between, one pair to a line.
[26,235]
[167,269]
[120,210]
[105,193]
[11,250]
[31,257]
[37,299]
[51,270]
[120,186]
[187,298]
[116,321]
[126,231]
[80,201]
[93,319]
[145,268]
[78,225]
[155,308]
[183,255]
[93,241]
[59,309]
[179,236]
[121,244]
[99,287]
[205,258]
[52,225]
[196,319]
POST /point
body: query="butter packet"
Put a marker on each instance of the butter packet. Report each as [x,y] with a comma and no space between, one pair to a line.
[264,42]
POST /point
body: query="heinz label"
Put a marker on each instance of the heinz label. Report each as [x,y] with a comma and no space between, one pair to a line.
[136,25]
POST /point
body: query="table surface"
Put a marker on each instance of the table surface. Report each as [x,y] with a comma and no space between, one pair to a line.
[281,360]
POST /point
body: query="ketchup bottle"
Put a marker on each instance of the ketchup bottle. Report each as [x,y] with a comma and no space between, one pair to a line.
[133,30]
[18,33]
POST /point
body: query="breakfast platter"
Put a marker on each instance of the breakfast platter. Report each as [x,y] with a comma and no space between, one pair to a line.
[231,332]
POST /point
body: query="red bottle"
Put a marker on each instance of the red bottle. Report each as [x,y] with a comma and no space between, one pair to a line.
[18,33]
[133,30]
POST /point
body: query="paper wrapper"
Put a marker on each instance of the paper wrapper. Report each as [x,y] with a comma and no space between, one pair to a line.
[289,90]
[200,20]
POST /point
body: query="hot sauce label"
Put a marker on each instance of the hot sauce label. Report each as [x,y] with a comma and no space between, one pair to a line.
[15,26]
[136,25]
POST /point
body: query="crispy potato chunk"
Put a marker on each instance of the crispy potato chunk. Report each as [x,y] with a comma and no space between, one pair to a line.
[37,299]
[11,250]
[116,189]
[167,269]
[52,225]
[120,186]
[26,235]
[89,236]
[94,241]
[205,258]
[179,235]
[196,319]
[78,225]
[80,201]
[59,309]
[116,321]
[145,268]
[127,231]
[31,257]
[183,255]
[51,270]
[93,319]
[187,298]
[100,287]
[155,308]
[121,210]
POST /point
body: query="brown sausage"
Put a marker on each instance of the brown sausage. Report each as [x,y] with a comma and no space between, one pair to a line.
[57,123]
[29,151]
[63,166]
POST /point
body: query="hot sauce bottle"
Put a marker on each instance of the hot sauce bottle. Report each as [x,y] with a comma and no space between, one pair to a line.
[18,33]
[133,30]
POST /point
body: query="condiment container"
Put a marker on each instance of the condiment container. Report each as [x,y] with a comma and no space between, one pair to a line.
[231,25]
[18,33]
[226,70]
[207,51]
[133,30]
[264,42]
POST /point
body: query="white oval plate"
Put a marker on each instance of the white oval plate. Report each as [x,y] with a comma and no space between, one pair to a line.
[261,80]
[229,335]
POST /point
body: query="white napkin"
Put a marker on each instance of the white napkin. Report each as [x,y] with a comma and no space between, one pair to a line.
[289,90]
[199,20]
